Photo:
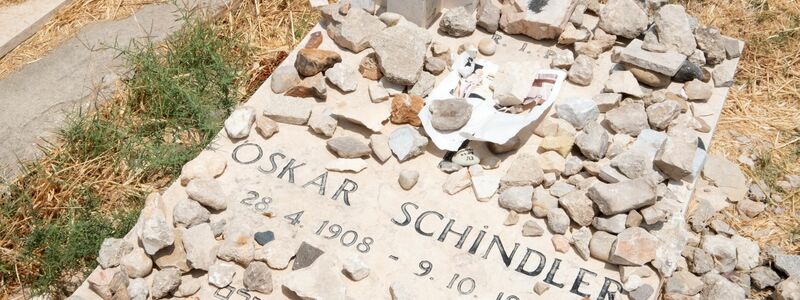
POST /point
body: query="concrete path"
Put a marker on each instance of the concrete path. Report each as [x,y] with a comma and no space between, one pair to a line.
[35,100]
[20,21]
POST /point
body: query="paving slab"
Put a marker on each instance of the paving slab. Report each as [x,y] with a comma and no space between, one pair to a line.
[20,21]
[35,100]
[437,246]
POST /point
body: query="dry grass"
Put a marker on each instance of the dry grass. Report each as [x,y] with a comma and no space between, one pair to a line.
[64,25]
[763,110]
[4,3]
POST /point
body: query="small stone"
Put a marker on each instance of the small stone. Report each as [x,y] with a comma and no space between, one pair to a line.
[137,264]
[557,220]
[562,59]
[709,40]
[238,124]
[343,76]
[578,111]
[406,143]
[488,15]
[561,188]
[311,62]
[313,86]
[208,192]
[424,85]
[314,40]
[466,157]
[370,68]
[290,110]
[238,245]
[718,287]
[600,245]
[750,208]
[572,165]
[322,121]
[684,283]
[354,165]
[676,157]
[258,277]
[622,197]
[690,71]
[408,178]
[572,35]
[630,118]
[727,176]
[380,147]
[593,141]
[789,289]
[156,233]
[660,115]
[206,165]
[173,256]
[623,82]
[764,277]
[112,252]
[674,29]
[531,228]
[580,240]
[401,52]
[221,274]
[277,253]
[788,264]
[561,144]
[406,108]
[540,288]
[284,78]
[543,202]
[348,147]
[517,198]
[355,29]
[650,78]
[551,162]
[698,90]
[390,18]
[165,282]
[538,20]
[578,207]
[377,93]
[188,213]
[137,289]
[643,292]
[457,22]
[613,224]
[634,219]
[266,127]
[457,181]
[435,65]
[199,244]
[701,262]
[487,46]
[722,250]
[511,219]
[607,101]
[623,18]
[634,246]
[355,268]
[524,171]
[582,71]
[560,243]
[450,114]
[264,237]
[667,63]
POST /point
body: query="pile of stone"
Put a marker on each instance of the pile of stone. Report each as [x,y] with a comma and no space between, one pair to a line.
[601,179]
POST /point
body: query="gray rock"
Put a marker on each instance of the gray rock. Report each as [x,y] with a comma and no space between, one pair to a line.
[355,30]
[764,277]
[109,283]
[543,202]
[199,244]
[718,287]
[643,292]
[322,121]
[355,268]
[578,111]
[208,192]
[290,110]
[622,197]
[457,22]
[517,198]
[112,252]
[788,264]
[137,289]
[690,71]
[593,141]
[377,93]
[562,59]
[188,213]
[789,289]
[401,52]
[722,249]
[572,35]
[750,208]
[266,127]
[660,115]
[684,283]
[623,18]
[137,264]
[435,65]
[348,147]
[284,78]
[634,163]
[572,165]
[674,29]
[580,240]
[578,207]
[709,40]
[258,277]
[557,221]
[613,224]
[424,85]
[667,63]
[165,282]
[630,118]
[601,244]
[747,253]
[406,143]
[701,262]
[698,90]
[723,73]
[188,287]
[450,114]
[540,288]
[488,15]
[623,82]
[408,178]
[221,274]
[343,76]
[582,71]
[560,189]
[531,228]
[524,171]
[380,147]
[634,247]
[676,157]
[607,101]
[156,233]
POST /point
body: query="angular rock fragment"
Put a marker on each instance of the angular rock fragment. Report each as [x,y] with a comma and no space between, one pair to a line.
[722,249]
[723,73]
[406,108]
[137,264]
[557,220]
[457,22]
[284,78]
[355,29]
[266,127]
[208,192]
[614,224]
[258,277]
[354,165]
[562,59]
[156,233]
[112,252]
[199,243]
[206,165]
[531,228]
[764,277]
[709,40]
[630,118]
[600,245]
[348,147]
[580,240]
[676,157]
[277,253]
[667,63]
[343,76]
[406,143]
[165,282]
[582,71]
[137,290]
[329,286]
[435,65]
[538,20]
[623,18]
[592,141]
[524,171]
[488,15]
[424,85]
[517,198]
[650,78]
[311,62]
[727,176]
[623,82]
[401,52]
[578,111]
[510,86]
[607,101]
[624,196]
[450,114]
[288,110]
[578,207]
[221,274]
[634,246]
[312,86]
[718,287]
[789,289]
[660,115]
[674,29]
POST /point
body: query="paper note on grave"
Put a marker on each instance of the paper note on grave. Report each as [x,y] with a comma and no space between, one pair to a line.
[489,122]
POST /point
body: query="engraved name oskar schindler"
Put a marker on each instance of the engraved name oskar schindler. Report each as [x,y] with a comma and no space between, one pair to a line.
[475,242]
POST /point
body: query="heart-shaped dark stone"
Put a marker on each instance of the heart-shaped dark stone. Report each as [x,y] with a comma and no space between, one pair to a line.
[264,237]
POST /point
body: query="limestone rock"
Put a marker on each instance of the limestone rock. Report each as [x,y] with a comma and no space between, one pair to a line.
[370,68]
[322,122]
[593,141]
[401,52]
[487,46]
[206,165]
[137,264]
[390,18]
[188,213]
[290,110]
[311,62]
[788,264]
[112,252]
[173,256]
[674,29]
[156,233]
[406,143]
[457,22]
[578,207]
[723,73]
[199,243]
[266,127]
[355,268]
[517,198]
[600,245]
[137,289]
[709,40]
[722,249]
[727,176]
[614,224]
[312,86]
[258,277]
[348,147]
[747,253]
[238,124]
[377,93]
[538,20]
[208,192]
[562,59]
[277,253]
[582,71]
[531,228]
[560,144]
[488,15]
[165,282]
[424,85]
[624,196]
[789,289]
[560,243]
[450,114]
[630,118]
[660,115]
[634,246]
[457,181]
[676,157]
[667,63]
[380,147]
[650,78]
[221,274]
[543,202]
[354,165]
[684,283]
[718,287]
[572,35]
[408,178]
[406,108]
[284,78]
[698,90]
[435,65]
[623,18]
[355,30]
[343,76]
[578,111]
[557,220]
[524,171]
[764,277]
[540,288]
[607,101]
[580,240]
[510,86]
[623,82]
[328,286]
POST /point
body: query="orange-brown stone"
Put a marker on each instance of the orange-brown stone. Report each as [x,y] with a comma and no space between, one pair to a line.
[311,62]
[370,67]
[405,109]
[314,40]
